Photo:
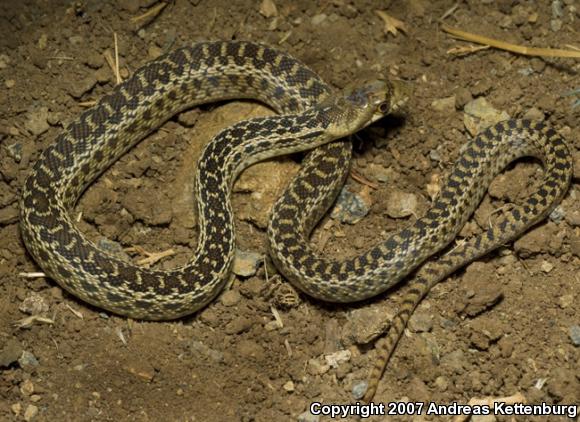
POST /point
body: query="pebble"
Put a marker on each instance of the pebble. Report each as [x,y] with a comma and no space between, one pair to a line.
[15,151]
[231,298]
[446,104]
[268,9]
[34,304]
[334,359]
[141,369]
[316,367]
[8,215]
[318,19]
[480,114]
[114,248]
[202,349]
[401,204]
[27,359]
[575,335]
[246,263]
[30,412]
[308,417]
[380,173]
[455,360]
[37,121]
[288,386]
[26,388]
[366,324]
[238,325]
[78,88]
[546,267]
[359,389]
[442,383]
[534,114]
[421,322]
[350,207]
[4,61]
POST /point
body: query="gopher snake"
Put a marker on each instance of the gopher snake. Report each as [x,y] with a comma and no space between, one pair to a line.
[312,116]
[205,72]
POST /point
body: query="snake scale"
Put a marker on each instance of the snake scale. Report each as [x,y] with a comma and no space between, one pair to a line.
[311,115]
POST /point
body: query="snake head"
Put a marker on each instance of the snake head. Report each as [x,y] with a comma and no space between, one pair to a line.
[365,101]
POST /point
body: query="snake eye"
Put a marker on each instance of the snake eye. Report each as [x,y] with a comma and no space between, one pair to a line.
[384,107]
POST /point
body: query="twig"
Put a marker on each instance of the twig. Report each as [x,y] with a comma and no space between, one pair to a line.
[151,13]
[519,49]
[449,12]
[32,275]
[363,180]
[117,73]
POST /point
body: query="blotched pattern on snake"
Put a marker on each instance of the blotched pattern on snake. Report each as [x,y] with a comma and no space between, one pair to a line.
[311,115]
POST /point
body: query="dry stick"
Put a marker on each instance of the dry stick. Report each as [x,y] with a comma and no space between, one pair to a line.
[117,73]
[519,49]
[151,13]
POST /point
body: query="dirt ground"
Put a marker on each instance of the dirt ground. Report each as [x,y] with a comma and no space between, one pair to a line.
[507,324]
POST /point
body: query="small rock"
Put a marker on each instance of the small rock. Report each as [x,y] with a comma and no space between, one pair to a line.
[442,383]
[546,267]
[26,388]
[4,61]
[556,24]
[350,207]
[16,408]
[482,301]
[308,417]
[359,389]
[200,348]
[288,386]
[380,173]
[575,335]
[78,88]
[27,359]
[366,324]
[246,263]
[401,204]
[462,97]
[114,248]
[479,115]
[336,358]
[141,369]
[315,367]
[231,298]
[8,215]
[9,83]
[15,151]
[455,361]
[30,412]
[268,9]
[534,114]
[188,118]
[238,325]
[421,322]
[318,19]
[446,104]
[37,121]
[34,304]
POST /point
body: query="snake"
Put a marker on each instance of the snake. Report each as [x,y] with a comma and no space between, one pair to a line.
[311,115]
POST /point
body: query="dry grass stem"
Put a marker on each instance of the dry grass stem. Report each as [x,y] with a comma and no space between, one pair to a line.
[149,15]
[518,49]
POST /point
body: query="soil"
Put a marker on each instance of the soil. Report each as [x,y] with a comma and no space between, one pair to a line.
[504,325]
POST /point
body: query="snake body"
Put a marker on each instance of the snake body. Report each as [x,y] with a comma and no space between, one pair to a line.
[202,73]
[311,115]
